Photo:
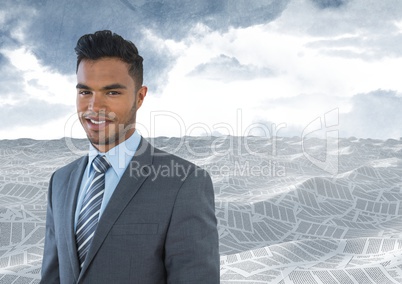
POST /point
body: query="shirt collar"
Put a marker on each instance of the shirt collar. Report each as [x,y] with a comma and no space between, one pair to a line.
[119,156]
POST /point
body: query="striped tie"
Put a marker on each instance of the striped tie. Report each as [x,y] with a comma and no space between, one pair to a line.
[89,214]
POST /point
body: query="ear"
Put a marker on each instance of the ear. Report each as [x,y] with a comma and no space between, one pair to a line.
[141,93]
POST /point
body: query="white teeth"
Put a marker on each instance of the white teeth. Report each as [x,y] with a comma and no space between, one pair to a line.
[97,122]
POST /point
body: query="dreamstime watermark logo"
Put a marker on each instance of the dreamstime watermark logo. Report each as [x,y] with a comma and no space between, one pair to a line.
[236,142]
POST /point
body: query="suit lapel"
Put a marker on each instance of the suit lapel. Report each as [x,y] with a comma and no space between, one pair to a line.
[126,189]
[72,190]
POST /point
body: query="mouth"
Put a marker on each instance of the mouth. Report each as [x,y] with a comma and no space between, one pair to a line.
[97,122]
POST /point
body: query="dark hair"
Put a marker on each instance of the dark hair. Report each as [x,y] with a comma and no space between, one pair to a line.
[107,44]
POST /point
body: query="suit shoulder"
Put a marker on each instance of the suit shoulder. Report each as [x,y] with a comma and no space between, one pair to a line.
[161,156]
[164,158]
[70,167]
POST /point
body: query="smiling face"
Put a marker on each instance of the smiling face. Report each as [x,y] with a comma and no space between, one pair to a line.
[107,101]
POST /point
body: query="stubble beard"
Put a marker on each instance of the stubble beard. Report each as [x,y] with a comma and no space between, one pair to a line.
[115,134]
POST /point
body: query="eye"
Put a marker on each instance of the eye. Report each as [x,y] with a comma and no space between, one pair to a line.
[84,92]
[113,93]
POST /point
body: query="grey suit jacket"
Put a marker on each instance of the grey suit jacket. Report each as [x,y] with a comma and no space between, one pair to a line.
[158,227]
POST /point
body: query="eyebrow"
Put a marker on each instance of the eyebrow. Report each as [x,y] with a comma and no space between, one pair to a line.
[105,88]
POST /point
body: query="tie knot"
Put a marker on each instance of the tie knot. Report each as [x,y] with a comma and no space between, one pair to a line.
[101,164]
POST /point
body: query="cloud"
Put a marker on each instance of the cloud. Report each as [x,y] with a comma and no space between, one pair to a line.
[292,115]
[31,112]
[51,28]
[359,29]
[373,115]
[227,69]
[159,58]
[330,19]
[323,4]
[371,48]
[10,79]
[24,78]
[175,18]
[258,50]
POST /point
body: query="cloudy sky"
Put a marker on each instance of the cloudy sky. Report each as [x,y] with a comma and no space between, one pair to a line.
[267,67]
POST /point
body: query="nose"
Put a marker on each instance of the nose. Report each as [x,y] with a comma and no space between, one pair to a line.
[97,103]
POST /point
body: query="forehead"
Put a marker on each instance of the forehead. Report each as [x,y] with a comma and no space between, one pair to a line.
[108,69]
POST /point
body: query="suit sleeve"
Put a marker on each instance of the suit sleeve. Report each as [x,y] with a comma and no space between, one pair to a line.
[192,244]
[50,263]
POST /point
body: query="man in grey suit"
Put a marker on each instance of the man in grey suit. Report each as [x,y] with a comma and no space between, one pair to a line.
[127,212]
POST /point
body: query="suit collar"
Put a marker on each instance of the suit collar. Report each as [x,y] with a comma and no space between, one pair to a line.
[70,205]
[119,156]
[126,189]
